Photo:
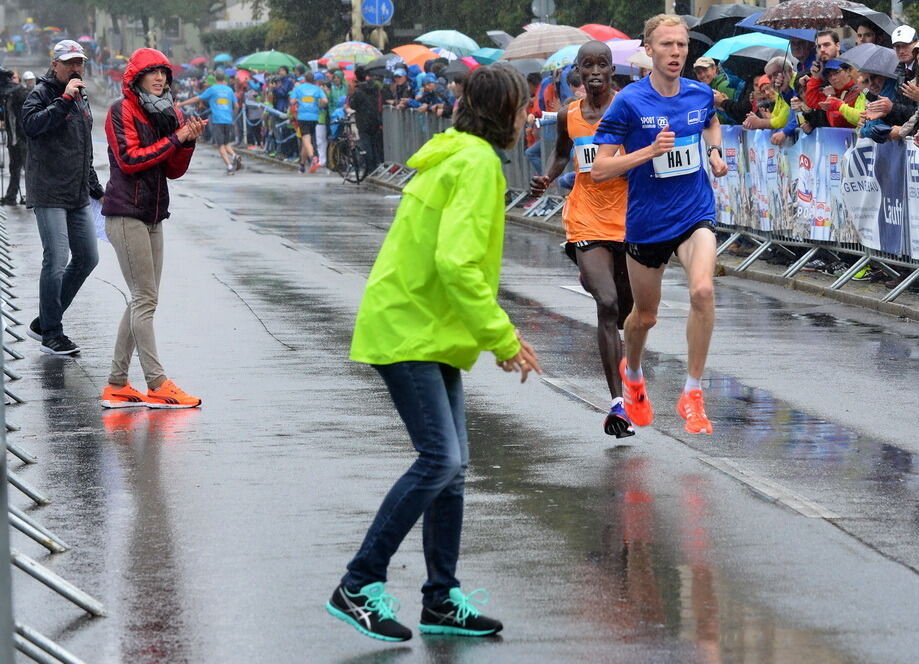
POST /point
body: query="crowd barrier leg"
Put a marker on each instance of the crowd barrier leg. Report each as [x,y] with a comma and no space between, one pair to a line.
[46,645]
[32,530]
[799,264]
[902,286]
[57,584]
[732,238]
[34,494]
[860,264]
[752,258]
[13,353]
[17,451]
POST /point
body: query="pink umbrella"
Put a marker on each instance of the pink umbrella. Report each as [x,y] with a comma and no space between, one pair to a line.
[85,38]
[623,49]
[470,62]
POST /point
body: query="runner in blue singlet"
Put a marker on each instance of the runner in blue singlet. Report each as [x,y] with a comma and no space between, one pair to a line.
[662,122]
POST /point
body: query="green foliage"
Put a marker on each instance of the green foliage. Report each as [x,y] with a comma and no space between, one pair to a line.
[238,42]
[626,15]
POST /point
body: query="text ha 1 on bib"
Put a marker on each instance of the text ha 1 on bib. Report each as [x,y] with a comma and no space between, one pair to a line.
[585,151]
[683,159]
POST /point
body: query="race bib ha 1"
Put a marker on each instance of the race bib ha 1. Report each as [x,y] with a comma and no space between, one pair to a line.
[683,159]
[585,151]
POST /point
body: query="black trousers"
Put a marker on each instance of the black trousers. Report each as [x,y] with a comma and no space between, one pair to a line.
[17,161]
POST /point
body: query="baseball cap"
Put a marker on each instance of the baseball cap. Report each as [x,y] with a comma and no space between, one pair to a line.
[430,78]
[835,64]
[68,49]
[28,76]
[704,62]
[903,35]
[399,72]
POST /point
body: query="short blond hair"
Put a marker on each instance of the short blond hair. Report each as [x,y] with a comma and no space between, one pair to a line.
[669,20]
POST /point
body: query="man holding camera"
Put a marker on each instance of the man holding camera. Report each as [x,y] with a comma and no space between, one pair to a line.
[60,180]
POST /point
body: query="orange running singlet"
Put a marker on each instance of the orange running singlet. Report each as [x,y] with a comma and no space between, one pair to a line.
[592,211]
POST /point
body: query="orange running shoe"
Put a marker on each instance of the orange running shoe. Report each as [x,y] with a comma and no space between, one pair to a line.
[637,404]
[170,395]
[122,397]
[691,407]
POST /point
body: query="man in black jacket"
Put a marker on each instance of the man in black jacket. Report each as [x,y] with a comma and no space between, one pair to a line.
[367,103]
[13,97]
[60,180]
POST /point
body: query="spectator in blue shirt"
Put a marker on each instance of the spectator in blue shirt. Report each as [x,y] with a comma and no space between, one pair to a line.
[221,100]
[310,99]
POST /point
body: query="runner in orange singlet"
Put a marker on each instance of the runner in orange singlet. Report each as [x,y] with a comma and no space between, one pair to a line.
[594,217]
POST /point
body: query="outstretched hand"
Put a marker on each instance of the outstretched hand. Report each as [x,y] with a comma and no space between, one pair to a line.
[524,361]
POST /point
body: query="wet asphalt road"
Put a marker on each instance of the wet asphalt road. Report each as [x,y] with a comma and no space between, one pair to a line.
[217,535]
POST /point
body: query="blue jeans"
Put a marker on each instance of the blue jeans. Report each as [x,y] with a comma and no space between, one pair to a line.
[534,155]
[429,398]
[65,234]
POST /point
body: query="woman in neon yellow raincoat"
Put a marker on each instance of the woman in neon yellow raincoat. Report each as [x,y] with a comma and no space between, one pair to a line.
[429,309]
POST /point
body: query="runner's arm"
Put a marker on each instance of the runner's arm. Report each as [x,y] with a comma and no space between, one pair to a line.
[611,164]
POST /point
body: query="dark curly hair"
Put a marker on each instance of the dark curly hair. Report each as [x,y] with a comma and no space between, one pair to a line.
[492,98]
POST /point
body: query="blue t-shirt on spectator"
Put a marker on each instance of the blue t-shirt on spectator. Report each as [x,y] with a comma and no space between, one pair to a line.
[220,98]
[670,193]
[307,97]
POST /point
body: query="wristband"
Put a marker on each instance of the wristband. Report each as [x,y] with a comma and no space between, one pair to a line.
[714,147]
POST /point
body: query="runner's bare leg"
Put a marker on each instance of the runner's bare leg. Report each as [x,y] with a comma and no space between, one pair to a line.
[596,266]
[697,255]
[646,291]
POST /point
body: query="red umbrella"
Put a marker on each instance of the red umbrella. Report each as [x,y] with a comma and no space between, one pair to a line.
[603,32]
[197,62]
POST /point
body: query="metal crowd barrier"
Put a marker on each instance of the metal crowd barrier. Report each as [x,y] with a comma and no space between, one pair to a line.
[14,634]
[405,131]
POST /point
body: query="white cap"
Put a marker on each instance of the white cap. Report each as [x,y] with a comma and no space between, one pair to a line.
[903,35]
[28,76]
[68,49]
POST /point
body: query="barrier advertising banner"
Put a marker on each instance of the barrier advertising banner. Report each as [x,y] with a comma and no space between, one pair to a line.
[874,193]
[912,198]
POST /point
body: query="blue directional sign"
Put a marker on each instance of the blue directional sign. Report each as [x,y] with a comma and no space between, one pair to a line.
[377,12]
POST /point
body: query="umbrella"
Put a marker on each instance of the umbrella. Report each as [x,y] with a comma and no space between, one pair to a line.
[16,38]
[816,14]
[223,57]
[750,61]
[268,61]
[527,65]
[853,16]
[487,56]
[456,68]
[415,54]
[385,65]
[622,50]
[229,71]
[444,53]
[451,40]
[543,41]
[561,58]
[353,51]
[724,48]
[197,62]
[641,60]
[719,21]
[190,73]
[85,38]
[603,32]
[499,37]
[750,23]
[690,20]
[51,28]
[872,59]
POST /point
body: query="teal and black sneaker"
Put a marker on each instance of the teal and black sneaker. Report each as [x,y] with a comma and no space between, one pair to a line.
[458,616]
[370,611]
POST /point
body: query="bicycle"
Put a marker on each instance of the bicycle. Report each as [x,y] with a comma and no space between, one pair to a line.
[344,154]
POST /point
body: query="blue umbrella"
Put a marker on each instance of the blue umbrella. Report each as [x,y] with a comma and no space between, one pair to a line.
[725,47]
[487,56]
[450,40]
[792,33]
[562,58]
[223,57]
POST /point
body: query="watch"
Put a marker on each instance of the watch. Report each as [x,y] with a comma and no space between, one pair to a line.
[708,151]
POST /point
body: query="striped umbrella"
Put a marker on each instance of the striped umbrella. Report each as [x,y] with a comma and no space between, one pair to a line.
[542,40]
[352,51]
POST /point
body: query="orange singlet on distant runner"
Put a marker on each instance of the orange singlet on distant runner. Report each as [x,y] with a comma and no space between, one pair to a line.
[592,211]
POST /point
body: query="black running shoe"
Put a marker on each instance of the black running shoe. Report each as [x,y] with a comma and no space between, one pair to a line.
[458,616]
[34,330]
[370,611]
[238,163]
[617,423]
[59,345]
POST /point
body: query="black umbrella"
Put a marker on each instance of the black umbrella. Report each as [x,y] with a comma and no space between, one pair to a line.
[190,73]
[883,25]
[454,69]
[750,61]
[872,59]
[720,20]
[385,65]
[690,20]
[499,37]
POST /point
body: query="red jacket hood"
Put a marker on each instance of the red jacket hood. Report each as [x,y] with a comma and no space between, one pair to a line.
[141,60]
